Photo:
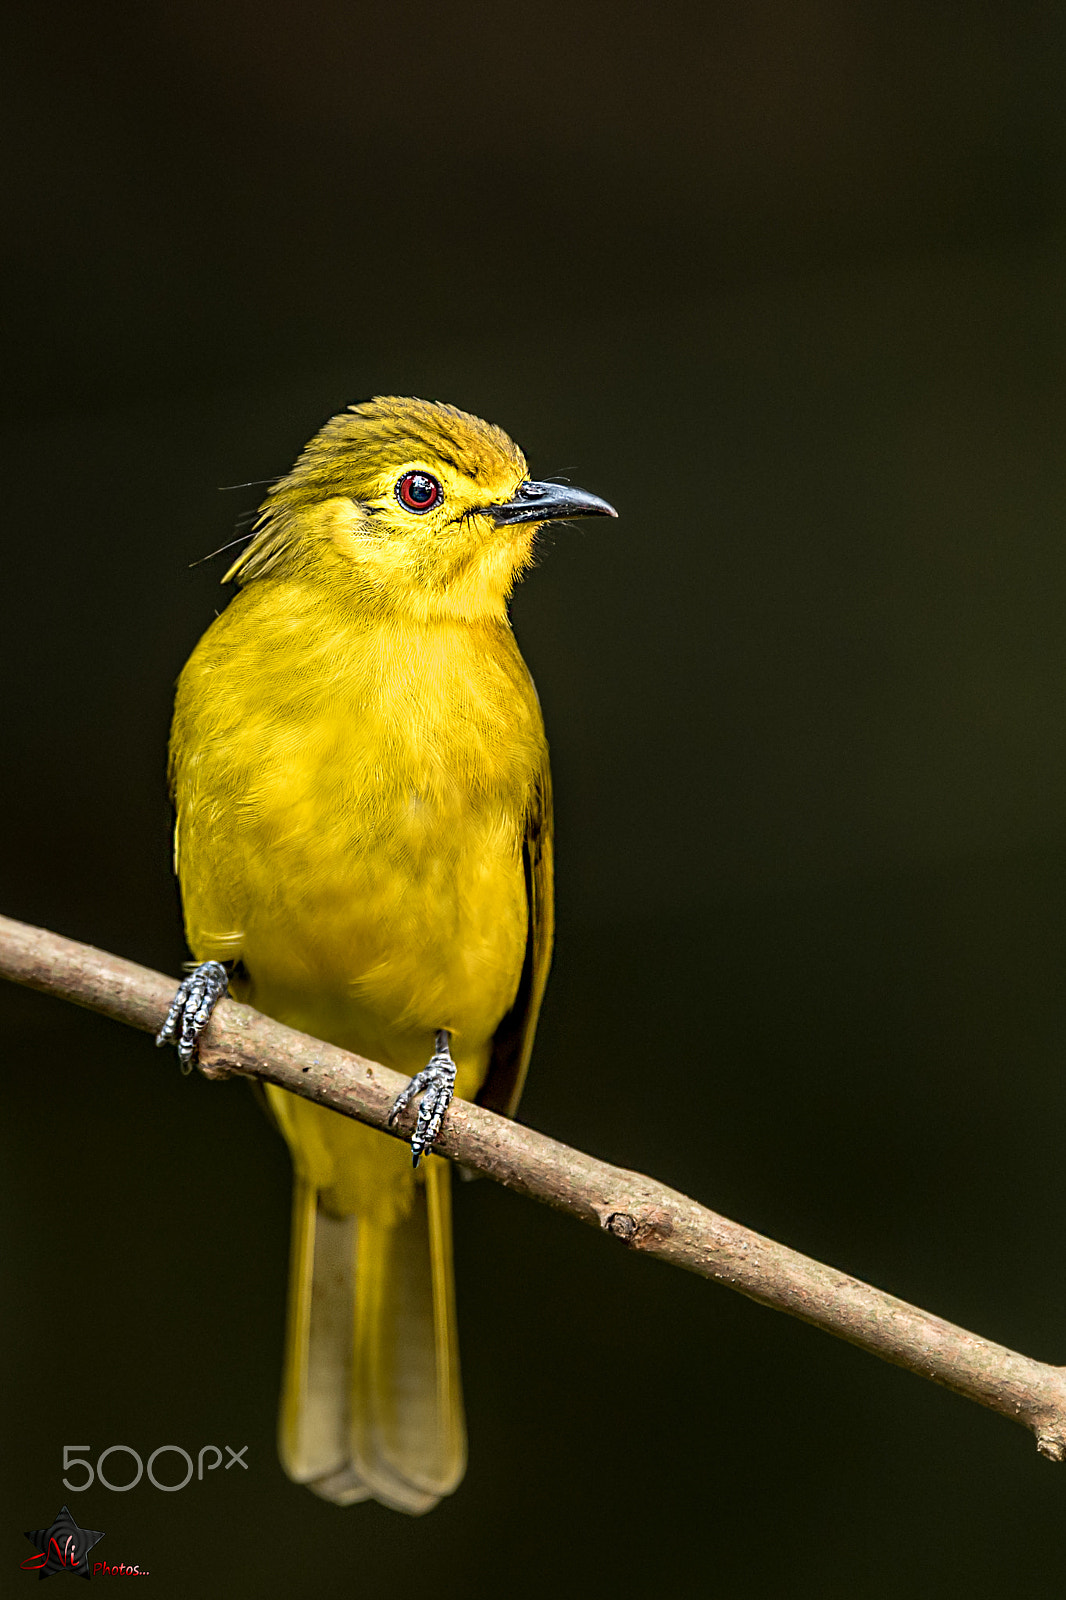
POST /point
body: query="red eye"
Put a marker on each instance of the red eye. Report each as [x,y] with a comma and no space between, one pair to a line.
[419,492]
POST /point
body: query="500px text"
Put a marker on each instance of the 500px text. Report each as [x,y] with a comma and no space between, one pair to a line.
[76,1455]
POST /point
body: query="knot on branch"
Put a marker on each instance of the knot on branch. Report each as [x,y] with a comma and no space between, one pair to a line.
[646,1228]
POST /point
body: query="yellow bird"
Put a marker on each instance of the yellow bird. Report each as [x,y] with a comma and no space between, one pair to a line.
[363,844]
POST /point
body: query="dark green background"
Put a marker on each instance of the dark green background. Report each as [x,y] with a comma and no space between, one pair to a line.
[786,282]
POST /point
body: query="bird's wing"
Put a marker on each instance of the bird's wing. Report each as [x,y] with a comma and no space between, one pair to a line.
[513,1040]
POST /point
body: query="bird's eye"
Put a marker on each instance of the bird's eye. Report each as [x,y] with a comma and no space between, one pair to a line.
[419,492]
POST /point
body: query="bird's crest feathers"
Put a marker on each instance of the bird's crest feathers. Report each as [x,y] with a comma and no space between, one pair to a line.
[351,453]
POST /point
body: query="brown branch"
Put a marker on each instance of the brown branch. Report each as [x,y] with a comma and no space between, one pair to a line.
[643,1214]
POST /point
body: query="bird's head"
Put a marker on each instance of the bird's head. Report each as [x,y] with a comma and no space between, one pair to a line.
[416,504]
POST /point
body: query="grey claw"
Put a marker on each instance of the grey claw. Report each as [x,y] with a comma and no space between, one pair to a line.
[436,1084]
[191,1008]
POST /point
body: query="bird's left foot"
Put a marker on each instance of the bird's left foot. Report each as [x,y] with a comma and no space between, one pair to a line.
[436,1084]
[191,1008]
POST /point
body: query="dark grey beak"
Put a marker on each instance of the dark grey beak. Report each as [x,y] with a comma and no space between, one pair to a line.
[548,502]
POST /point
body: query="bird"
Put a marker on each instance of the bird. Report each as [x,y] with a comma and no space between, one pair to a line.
[363,844]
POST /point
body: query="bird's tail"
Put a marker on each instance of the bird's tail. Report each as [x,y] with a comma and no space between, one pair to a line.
[371,1402]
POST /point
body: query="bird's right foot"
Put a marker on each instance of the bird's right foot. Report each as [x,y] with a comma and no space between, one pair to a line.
[436,1084]
[191,1008]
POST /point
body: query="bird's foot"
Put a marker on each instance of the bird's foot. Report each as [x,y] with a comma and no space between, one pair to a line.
[436,1084]
[191,1008]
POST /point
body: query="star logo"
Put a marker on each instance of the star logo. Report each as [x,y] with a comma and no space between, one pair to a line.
[64,1547]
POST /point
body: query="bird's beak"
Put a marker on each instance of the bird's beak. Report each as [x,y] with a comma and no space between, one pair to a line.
[547,502]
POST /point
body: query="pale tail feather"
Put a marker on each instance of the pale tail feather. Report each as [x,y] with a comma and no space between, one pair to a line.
[371,1401]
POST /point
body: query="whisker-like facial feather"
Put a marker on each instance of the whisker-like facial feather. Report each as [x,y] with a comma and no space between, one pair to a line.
[242,538]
